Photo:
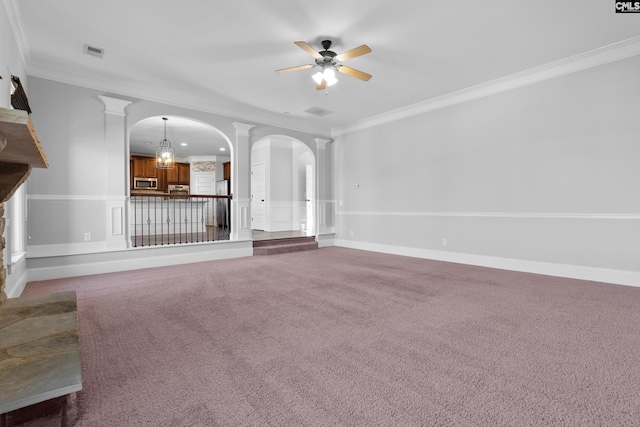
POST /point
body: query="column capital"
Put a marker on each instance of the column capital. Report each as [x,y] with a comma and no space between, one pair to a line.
[114,106]
[242,129]
[322,143]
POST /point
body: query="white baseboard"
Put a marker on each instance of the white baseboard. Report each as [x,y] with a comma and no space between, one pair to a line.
[326,240]
[618,277]
[133,259]
[15,285]
[63,249]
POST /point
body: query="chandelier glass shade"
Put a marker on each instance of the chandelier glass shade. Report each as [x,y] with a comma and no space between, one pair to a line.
[165,154]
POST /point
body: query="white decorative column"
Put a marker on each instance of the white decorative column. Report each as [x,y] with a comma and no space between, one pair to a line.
[241,183]
[116,165]
[323,188]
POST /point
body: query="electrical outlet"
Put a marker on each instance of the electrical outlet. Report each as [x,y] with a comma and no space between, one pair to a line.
[87,237]
[356,185]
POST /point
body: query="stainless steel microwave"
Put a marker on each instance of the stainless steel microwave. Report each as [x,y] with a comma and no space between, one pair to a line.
[145,183]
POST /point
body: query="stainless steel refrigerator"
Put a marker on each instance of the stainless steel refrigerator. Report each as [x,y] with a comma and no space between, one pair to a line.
[223,205]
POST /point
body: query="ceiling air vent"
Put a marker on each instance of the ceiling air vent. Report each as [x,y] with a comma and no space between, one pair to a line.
[318,111]
[94,51]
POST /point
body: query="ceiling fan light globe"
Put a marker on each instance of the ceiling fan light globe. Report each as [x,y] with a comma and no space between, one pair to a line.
[317,77]
[329,74]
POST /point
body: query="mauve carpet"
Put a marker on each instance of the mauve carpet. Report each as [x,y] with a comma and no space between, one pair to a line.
[340,337]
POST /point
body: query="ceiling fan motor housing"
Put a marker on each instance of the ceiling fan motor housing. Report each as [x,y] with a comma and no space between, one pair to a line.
[327,54]
[326,44]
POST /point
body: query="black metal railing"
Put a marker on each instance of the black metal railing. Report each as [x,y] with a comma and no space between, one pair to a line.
[169,219]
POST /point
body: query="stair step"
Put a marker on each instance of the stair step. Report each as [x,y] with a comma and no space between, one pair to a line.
[283,241]
[282,248]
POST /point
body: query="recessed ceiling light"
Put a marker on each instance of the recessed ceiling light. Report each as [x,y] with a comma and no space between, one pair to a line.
[148,143]
[184,144]
[223,149]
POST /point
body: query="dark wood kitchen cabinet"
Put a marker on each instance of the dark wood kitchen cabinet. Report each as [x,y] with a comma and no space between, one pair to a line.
[143,167]
[180,174]
[226,170]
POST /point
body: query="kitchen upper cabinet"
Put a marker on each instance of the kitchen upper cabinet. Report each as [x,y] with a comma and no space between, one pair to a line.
[143,167]
[172,175]
[184,173]
[226,170]
[180,174]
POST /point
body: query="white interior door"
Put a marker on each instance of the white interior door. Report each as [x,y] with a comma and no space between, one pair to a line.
[203,183]
[257,196]
[309,198]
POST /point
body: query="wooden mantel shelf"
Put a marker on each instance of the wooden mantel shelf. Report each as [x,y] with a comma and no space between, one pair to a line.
[23,145]
[20,150]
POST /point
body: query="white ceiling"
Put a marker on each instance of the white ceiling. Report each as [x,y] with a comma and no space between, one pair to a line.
[220,56]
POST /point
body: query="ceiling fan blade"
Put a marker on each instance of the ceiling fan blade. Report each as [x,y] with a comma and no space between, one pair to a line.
[322,85]
[357,51]
[299,67]
[311,51]
[353,72]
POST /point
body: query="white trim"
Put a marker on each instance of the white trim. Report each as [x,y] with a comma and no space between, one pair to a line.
[163,95]
[619,277]
[321,143]
[18,284]
[114,106]
[242,129]
[15,20]
[79,197]
[139,258]
[65,249]
[599,216]
[326,240]
[603,55]
[17,257]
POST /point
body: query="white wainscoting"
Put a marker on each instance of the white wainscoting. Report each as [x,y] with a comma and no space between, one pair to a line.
[419,224]
[619,277]
[279,217]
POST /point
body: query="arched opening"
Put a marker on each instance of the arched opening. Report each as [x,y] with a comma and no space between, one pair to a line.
[282,188]
[202,169]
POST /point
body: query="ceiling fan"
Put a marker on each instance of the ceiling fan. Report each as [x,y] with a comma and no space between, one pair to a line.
[330,62]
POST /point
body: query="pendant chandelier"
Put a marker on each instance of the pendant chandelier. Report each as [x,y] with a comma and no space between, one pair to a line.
[165,154]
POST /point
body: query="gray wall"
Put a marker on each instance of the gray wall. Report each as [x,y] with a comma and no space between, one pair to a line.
[280,174]
[77,194]
[545,173]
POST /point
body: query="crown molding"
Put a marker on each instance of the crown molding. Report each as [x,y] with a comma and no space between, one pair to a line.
[603,55]
[15,20]
[165,95]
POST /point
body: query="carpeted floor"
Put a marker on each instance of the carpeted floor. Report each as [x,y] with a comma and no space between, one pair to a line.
[340,337]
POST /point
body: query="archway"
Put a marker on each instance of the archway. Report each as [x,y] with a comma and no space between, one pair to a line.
[282,187]
[202,169]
